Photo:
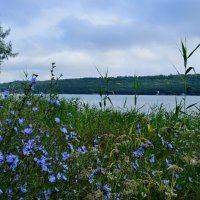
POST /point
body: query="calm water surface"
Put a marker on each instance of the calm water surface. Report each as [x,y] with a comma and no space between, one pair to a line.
[145,101]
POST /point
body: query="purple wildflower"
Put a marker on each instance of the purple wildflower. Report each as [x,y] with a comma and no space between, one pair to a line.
[1,138]
[150,144]
[57,120]
[64,130]
[152,158]
[168,161]
[23,190]
[8,191]
[42,94]
[138,128]
[135,164]
[153,173]
[178,187]
[82,150]
[138,152]
[1,159]
[8,121]
[71,147]
[52,178]
[65,156]
[15,129]
[6,93]
[12,160]
[56,102]
[166,181]
[27,131]
[190,179]
[33,80]
[28,103]
[12,112]
[21,121]
[169,146]
[34,109]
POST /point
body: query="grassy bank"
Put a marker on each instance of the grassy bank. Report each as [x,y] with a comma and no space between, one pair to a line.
[61,149]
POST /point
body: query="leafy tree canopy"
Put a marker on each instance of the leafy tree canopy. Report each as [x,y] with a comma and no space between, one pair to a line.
[5,47]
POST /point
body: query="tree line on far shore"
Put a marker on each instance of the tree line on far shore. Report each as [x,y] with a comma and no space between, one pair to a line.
[147,85]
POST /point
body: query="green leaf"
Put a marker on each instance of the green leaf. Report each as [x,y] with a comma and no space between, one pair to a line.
[191,105]
[100,104]
[189,69]
[110,101]
[194,50]
[184,53]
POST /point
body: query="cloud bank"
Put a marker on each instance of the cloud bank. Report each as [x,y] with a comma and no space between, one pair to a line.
[127,37]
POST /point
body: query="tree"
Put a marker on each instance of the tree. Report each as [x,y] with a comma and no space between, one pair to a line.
[5,47]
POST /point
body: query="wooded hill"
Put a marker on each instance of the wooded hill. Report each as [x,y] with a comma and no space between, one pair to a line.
[147,85]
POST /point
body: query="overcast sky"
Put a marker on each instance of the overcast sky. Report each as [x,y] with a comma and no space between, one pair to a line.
[126,36]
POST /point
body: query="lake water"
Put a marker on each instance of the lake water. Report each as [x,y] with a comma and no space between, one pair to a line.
[145,101]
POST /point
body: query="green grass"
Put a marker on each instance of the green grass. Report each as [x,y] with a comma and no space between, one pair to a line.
[105,170]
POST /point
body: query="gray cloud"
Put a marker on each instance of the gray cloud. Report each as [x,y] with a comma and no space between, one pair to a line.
[126,36]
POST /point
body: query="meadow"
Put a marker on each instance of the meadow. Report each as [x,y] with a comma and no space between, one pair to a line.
[53,148]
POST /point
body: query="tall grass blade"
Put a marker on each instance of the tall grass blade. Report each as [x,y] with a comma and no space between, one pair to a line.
[193,51]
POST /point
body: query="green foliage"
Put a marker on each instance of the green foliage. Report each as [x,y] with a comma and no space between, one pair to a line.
[148,85]
[104,91]
[5,47]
